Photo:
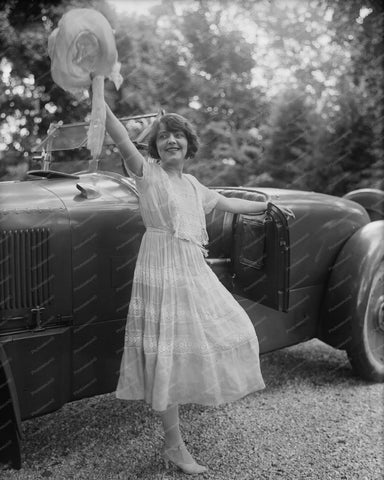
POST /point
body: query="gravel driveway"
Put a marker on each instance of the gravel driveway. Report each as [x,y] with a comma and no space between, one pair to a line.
[314,420]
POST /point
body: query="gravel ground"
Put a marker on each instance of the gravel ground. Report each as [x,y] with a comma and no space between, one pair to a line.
[315,420]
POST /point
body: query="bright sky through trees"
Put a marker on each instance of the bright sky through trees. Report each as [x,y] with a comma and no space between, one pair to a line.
[135,6]
[262,81]
[269,72]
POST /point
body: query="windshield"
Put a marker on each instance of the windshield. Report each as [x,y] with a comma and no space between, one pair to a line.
[65,147]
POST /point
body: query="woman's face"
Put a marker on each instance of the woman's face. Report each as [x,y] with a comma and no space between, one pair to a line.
[172,146]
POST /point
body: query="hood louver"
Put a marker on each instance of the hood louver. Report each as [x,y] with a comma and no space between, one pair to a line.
[24,268]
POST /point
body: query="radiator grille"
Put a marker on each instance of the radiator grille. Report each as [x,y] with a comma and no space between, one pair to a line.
[24,268]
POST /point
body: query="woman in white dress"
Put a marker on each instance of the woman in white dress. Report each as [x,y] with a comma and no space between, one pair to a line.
[187,340]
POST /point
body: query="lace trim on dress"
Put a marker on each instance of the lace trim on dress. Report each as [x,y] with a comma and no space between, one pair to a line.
[151,313]
[203,230]
[156,279]
[136,339]
[177,231]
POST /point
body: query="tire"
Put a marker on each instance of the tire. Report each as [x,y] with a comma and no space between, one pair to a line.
[366,348]
[353,307]
[10,422]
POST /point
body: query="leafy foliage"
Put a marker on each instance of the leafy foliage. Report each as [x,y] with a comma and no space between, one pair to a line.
[282,93]
[289,144]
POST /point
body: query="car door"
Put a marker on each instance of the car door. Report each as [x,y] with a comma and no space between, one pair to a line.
[262,258]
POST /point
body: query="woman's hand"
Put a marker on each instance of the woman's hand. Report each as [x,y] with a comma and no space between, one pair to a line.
[288,212]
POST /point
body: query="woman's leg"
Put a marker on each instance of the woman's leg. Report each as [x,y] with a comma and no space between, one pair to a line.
[174,449]
[171,425]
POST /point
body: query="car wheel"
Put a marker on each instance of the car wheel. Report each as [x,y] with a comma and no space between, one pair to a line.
[366,348]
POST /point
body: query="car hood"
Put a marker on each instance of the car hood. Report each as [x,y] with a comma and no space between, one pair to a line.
[25,196]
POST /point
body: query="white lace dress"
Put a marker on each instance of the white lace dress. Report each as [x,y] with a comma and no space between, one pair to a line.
[187,340]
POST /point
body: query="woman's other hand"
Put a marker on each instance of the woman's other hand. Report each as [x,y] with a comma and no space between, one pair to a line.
[288,212]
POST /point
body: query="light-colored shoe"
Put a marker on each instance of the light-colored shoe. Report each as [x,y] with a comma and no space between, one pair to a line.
[180,457]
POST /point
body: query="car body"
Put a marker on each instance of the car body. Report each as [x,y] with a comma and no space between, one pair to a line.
[68,248]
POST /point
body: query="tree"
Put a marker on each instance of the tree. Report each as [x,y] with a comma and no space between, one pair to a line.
[224,65]
[225,105]
[329,49]
[345,154]
[289,144]
[358,28]
[29,98]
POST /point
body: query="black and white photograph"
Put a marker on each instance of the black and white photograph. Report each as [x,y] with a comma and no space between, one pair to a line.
[192,239]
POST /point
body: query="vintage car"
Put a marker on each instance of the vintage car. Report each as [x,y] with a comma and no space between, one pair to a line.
[68,248]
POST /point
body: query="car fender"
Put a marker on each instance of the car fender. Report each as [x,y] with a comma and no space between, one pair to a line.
[10,419]
[349,284]
[372,199]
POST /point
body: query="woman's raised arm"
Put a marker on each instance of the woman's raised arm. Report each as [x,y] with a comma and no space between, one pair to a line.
[120,136]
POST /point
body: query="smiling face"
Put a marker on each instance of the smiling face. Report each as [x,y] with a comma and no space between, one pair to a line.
[172,137]
[171,145]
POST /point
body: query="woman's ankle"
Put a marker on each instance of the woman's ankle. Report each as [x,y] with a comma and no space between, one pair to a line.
[171,442]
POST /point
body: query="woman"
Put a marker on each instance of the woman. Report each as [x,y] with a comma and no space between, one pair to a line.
[187,340]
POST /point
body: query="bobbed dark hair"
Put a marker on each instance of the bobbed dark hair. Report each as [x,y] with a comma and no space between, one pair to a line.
[173,122]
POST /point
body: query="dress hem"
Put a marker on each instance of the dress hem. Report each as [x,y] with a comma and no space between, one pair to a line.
[203,403]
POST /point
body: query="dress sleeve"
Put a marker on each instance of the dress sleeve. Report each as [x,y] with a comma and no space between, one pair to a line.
[209,197]
[143,181]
